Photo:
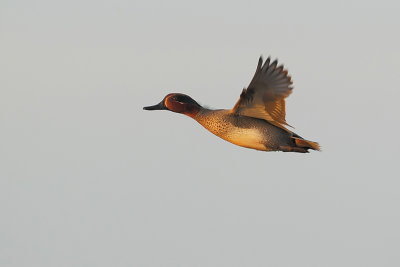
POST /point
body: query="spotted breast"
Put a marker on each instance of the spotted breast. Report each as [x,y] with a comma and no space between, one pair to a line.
[239,130]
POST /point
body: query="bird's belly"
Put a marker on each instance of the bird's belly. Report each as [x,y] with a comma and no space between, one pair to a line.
[249,137]
[245,132]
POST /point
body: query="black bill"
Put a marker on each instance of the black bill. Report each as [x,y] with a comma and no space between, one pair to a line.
[159,106]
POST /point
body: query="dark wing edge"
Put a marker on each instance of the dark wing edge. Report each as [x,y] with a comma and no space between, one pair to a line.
[245,95]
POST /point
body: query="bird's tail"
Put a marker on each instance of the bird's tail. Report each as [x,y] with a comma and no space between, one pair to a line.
[306,144]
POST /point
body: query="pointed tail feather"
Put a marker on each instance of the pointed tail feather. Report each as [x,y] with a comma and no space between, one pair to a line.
[306,144]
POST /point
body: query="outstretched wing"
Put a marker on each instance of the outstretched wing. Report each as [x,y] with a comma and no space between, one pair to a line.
[265,96]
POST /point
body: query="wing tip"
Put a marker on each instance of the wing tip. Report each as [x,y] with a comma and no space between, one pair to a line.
[260,62]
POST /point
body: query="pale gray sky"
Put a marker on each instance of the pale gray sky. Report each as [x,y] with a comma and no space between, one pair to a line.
[90,179]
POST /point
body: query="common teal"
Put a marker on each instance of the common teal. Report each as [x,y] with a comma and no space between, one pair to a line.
[256,121]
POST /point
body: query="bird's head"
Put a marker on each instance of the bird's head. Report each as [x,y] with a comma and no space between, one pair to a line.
[179,103]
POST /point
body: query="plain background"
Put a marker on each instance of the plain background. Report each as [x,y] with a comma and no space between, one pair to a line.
[90,179]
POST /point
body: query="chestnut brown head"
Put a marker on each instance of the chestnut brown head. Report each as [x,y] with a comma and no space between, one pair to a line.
[179,103]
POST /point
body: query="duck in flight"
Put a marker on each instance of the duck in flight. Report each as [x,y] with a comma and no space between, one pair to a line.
[256,121]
